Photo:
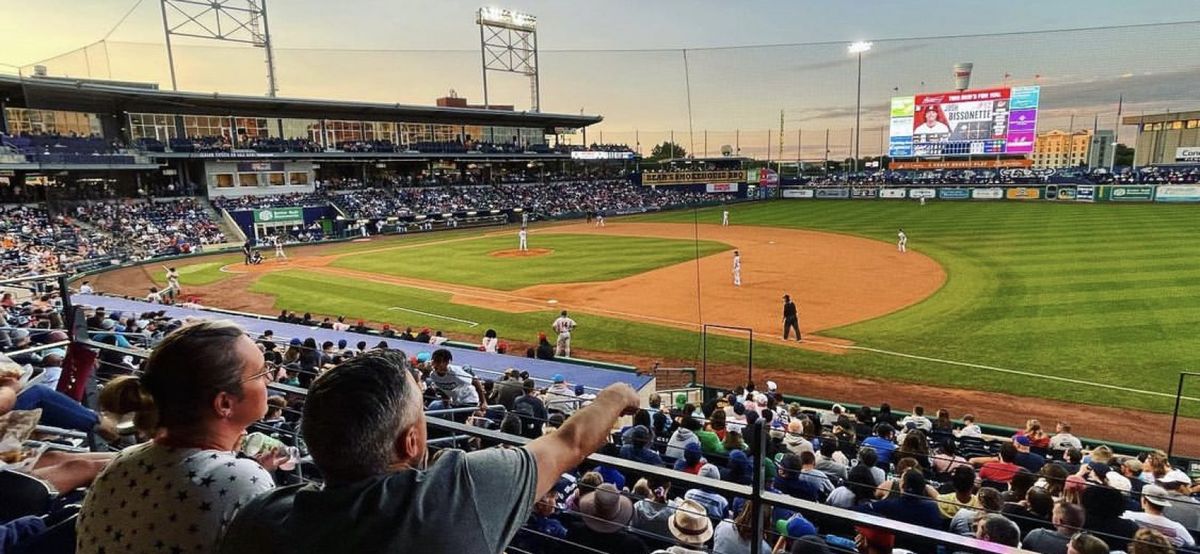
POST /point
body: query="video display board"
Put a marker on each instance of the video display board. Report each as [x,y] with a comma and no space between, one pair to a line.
[970,122]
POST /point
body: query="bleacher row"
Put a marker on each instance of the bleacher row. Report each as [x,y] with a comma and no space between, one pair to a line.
[938,474]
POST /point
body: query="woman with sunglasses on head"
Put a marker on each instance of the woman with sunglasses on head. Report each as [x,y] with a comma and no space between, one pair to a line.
[201,387]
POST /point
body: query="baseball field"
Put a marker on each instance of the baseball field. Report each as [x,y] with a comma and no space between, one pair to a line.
[1020,305]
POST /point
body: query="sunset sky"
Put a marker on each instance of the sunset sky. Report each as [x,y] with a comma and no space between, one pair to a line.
[625,59]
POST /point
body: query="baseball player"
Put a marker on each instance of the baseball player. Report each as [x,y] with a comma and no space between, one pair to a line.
[173,288]
[279,255]
[737,269]
[922,200]
[524,242]
[599,219]
[902,243]
[725,218]
[563,326]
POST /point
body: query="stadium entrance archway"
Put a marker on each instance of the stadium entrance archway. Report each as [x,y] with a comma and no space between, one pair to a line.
[724,331]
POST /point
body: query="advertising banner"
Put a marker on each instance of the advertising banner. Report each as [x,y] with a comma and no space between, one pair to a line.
[954,194]
[963,164]
[253,167]
[1085,193]
[922,193]
[1023,193]
[893,193]
[797,193]
[864,193]
[1131,194]
[1177,193]
[279,215]
[1187,154]
[721,187]
[1066,193]
[692,177]
[994,193]
[600,155]
[833,193]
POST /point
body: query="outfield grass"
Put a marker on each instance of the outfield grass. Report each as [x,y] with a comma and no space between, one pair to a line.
[1104,293]
[575,258]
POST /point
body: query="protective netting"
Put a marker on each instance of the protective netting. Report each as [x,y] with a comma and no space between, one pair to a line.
[736,94]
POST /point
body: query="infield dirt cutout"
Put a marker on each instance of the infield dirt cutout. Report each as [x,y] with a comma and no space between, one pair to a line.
[514,253]
[835,280]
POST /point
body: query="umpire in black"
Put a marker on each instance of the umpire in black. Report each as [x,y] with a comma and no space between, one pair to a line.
[791,320]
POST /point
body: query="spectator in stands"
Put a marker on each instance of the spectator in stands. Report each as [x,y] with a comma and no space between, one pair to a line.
[1067,520]
[1184,509]
[684,435]
[856,490]
[741,471]
[1033,432]
[605,515]
[1149,541]
[458,386]
[691,529]
[794,440]
[1019,485]
[946,459]
[638,448]
[914,505]
[1154,501]
[969,428]
[692,459]
[830,460]
[867,457]
[202,386]
[998,529]
[943,423]
[1063,439]
[531,409]
[539,534]
[734,537]
[1001,468]
[962,480]
[490,341]
[914,445]
[651,513]
[1032,512]
[882,443]
[1086,543]
[917,417]
[789,479]
[58,410]
[507,389]
[1103,507]
[364,425]
[963,522]
[714,504]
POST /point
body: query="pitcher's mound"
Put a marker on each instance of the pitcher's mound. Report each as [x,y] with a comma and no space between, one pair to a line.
[514,253]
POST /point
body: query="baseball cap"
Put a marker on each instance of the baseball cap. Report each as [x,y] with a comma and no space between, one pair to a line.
[1156,495]
[295,342]
[795,527]
[709,471]
[772,386]
[558,378]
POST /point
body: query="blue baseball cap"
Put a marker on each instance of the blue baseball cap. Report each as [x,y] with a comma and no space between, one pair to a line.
[558,378]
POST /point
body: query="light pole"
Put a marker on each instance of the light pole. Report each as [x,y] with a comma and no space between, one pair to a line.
[858,48]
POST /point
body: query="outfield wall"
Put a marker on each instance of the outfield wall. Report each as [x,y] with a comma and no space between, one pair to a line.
[1063,193]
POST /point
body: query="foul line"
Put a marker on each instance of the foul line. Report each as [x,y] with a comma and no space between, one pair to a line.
[1006,370]
[469,323]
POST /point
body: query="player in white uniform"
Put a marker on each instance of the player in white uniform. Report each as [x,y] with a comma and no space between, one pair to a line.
[563,326]
[524,242]
[599,219]
[902,243]
[173,288]
[725,218]
[279,255]
[922,200]
[737,268]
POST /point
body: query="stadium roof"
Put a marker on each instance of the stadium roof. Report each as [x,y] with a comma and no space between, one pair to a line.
[101,97]
[1159,117]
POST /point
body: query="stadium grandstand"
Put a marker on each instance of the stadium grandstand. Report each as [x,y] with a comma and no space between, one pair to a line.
[397,378]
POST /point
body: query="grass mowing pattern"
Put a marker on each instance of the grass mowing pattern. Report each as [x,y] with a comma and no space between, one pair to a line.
[575,258]
[1106,293]
[1100,292]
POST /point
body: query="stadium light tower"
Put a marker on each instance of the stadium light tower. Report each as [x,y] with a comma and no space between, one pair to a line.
[858,48]
[241,21]
[508,43]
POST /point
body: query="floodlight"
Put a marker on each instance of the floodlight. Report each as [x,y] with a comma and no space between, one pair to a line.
[859,47]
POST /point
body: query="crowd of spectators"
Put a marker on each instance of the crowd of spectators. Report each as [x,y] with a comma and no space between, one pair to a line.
[258,202]
[362,424]
[146,229]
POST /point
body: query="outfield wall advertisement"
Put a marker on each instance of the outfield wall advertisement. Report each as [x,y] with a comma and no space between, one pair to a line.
[1177,193]
[1069,193]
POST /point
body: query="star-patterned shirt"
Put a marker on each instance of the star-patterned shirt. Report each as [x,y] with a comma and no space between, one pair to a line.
[157,499]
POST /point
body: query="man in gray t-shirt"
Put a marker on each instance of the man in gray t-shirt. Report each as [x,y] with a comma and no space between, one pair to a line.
[365,427]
